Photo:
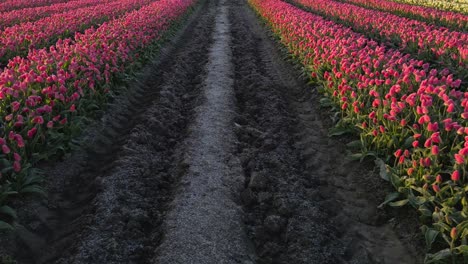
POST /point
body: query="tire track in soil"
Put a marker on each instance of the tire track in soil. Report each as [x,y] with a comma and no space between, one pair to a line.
[305,203]
[107,200]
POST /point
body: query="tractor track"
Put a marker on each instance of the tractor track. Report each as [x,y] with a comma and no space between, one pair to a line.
[217,153]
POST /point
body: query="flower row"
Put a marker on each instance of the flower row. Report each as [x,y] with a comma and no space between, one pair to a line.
[400,107]
[19,4]
[41,94]
[453,5]
[13,17]
[19,39]
[427,42]
[446,18]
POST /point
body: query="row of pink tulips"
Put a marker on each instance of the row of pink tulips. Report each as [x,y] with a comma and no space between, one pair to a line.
[19,4]
[430,43]
[42,95]
[13,17]
[19,39]
[400,107]
[446,18]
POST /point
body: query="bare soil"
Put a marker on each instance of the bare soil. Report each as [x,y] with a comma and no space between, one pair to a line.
[217,153]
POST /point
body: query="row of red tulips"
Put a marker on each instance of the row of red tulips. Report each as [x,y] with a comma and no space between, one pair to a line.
[400,107]
[42,95]
[18,39]
[31,14]
[432,15]
[439,46]
[19,4]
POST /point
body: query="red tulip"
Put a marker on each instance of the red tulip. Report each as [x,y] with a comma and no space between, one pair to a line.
[439,179]
[398,153]
[455,176]
[435,150]
[459,159]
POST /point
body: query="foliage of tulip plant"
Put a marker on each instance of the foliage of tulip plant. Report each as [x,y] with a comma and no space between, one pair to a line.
[19,4]
[403,110]
[18,39]
[438,46]
[43,95]
[451,5]
[445,18]
[18,16]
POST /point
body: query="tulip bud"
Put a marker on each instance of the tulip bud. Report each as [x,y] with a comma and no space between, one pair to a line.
[459,159]
[435,150]
[5,149]
[455,176]
[453,233]
[398,153]
[17,166]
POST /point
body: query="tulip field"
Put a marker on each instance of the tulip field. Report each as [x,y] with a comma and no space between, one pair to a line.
[391,74]
[455,5]
[407,104]
[58,67]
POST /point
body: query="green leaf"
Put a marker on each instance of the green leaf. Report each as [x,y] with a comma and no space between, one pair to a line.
[462,249]
[441,255]
[355,156]
[425,211]
[416,201]
[7,210]
[430,235]
[6,170]
[33,189]
[395,180]
[399,203]
[325,102]
[408,142]
[389,198]
[463,225]
[383,170]
[5,226]
[356,144]
[338,131]
[32,179]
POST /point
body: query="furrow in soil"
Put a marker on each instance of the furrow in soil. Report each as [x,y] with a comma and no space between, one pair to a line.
[107,199]
[216,153]
[204,223]
[305,203]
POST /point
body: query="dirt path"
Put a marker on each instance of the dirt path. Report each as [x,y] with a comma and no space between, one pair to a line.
[216,155]
[204,212]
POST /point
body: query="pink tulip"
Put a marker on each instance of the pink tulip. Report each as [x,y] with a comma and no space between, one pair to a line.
[455,176]
[459,159]
[16,156]
[32,132]
[17,166]
[435,150]
[5,149]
